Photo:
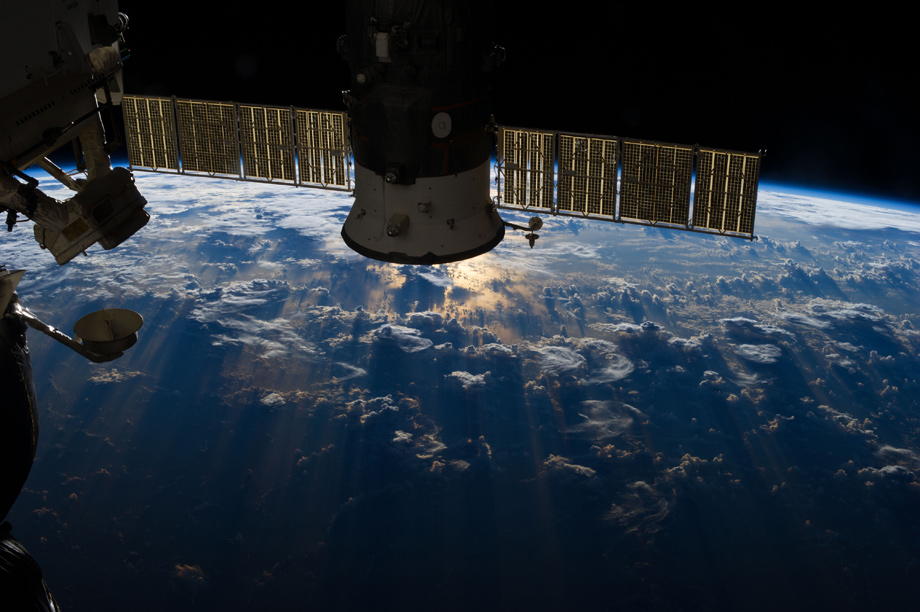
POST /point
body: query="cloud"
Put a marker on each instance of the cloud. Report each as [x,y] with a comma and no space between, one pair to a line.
[405,338]
[897,472]
[272,400]
[614,366]
[437,276]
[345,371]
[618,368]
[849,215]
[565,466]
[899,454]
[273,339]
[605,419]
[742,327]
[233,309]
[560,360]
[495,349]
[646,327]
[103,376]
[857,312]
[801,319]
[192,576]
[890,473]
[470,381]
[640,509]
[851,424]
[402,437]
[374,406]
[759,353]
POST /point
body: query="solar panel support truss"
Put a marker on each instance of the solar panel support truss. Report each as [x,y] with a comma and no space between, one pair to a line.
[268,144]
[627,180]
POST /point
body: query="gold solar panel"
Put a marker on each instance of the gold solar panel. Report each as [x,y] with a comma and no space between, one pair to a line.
[527,159]
[208,137]
[725,196]
[587,181]
[323,151]
[656,182]
[150,133]
[267,143]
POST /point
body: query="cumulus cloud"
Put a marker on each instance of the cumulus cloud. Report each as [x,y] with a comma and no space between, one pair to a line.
[640,509]
[856,312]
[897,472]
[646,327]
[614,366]
[114,375]
[192,576]
[740,326]
[899,454]
[759,353]
[428,445]
[272,400]
[272,338]
[435,276]
[382,406]
[566,466]
[402,437]
[229,312]
[429,321]
[470,381]
[405,338]
[891,473]
[842,362]
[801,319]
[560,360]
[617,368]
[495,349]
[605,419]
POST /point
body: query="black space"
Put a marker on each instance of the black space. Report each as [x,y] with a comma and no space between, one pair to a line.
[826,96]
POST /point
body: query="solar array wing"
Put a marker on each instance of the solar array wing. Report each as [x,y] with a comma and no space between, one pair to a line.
[587,175]
[290,146]
[528,159]
[267,143]
[725,195]
[656,182]
[579,175]
[208,137]
[150,131]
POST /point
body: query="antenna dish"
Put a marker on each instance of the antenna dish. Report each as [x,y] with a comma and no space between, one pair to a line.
[108,331]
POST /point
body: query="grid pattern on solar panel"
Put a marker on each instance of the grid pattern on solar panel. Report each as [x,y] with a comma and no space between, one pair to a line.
[208,137]
[725,195]
[150,133]
[655,185]
[587,181]
[267,143]
[322,148]
[527,157]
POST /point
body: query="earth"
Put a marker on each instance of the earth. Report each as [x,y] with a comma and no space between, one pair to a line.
[621,418]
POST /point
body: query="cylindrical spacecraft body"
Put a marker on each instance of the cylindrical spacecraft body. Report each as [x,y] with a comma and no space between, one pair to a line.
[18,410]
[420,130]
